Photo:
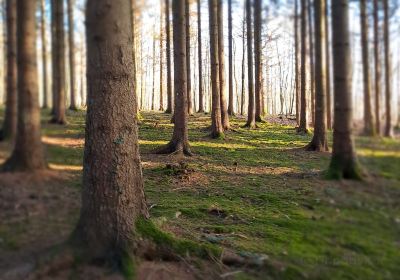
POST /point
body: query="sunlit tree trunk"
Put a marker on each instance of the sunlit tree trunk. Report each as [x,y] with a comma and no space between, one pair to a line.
[311,52]
[251,120]
[161,108]
[230,45]
[296,50]
[257,59]
[377,63]
[28,152]
[170,97]
[328,70]
[200,58]
[45,104]
[242,99]
[344,162]
[71,43]
[188,67]
[303,105]
[388,71]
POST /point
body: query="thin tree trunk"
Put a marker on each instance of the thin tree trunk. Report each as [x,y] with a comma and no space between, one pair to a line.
[161,58]
[71,42]
[9,129]
[170,97]
[319,142]
[344,162]
[328,70]
[251,121]
[217,130]
[45,104]
[377,62]
[296,50]
[312,69]
[188,67]
[302,129]
[221,57]
[153,90]
[388,71]
[257,59]
[113,198]
[369,128]
[243,61]
[230,45]
[28,152]
[201,93]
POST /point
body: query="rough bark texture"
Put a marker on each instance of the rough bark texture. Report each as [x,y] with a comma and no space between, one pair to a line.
[58,62]
[319,142]
[188,67]
[377,63]
[388,71]
[303,105]
[328,70]
[221,57]
[369,128]
[45,104]
[257,59]
[170,97]
[296,57]
[112,196]
[230,57]
[28,151]
[217,130]
[251,114]
[180,140]
[344,161]
[200,56]
[71,43]
[10,119]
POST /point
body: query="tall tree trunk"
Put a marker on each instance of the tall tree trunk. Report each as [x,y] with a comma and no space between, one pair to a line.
[344,162]
[134,46]
[217,130]
[303,103]
[243,61]
[45,104]
[312,66]
[153,89]
[221,57]
[201,93]
[9,129]
[388,71]
[251,114]
[71,43]
[161,58]
[296,50]
[180,139]
[257,59]
[230,45]
[369,128]
[28,152]
[112,196]
[328,70]
[170,97]
[188,67]
[319,141]
[377,63]
[59,62]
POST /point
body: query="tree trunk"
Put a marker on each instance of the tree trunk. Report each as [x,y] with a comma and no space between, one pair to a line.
[344,162]
[153,90]
[319,142]
[369,128]
[180,139]
[59,62]
[113,196]
[377,62]
[71,42]
[45,104]
[188,67]
[312,66]
[388,71]
[9,129]
[257,59]
[201,93]
[217,130]
[243,61]
[302,129]
[328,70]
[28,152]
[230,45]
[170,97]
[221,57]
[251,116]
[296,50]
[161,58]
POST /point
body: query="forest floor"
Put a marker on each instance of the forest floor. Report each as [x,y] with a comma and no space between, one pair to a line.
[256,193]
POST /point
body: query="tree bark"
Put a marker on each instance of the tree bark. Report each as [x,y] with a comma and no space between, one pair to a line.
[221,57]
[9,129]
[302,129]
[58,62]
[161,58]
[251,114]
[257,59]
[217,130]
[28,152]
[243,62]
[328,70]
[296,50]
[377,63]
[312,65]
[319,142]
[230,46]
[188,67]
[369,128]
[112,197]
[170,97]
[71,43]
[344,164]
[388,70]
[200,55]
[45,104]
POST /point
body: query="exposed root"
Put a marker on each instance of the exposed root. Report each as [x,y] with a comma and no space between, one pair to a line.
[174,148]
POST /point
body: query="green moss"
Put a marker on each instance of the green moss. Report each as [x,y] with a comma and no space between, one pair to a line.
[128,266]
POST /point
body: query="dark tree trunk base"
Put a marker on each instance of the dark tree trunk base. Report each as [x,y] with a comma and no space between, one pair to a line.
[217,135]
[14,165]
[317,146]
[344,169]
[73,108]
[250,125]
[175,148]
[302,131]
[168,111]
[54,120]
